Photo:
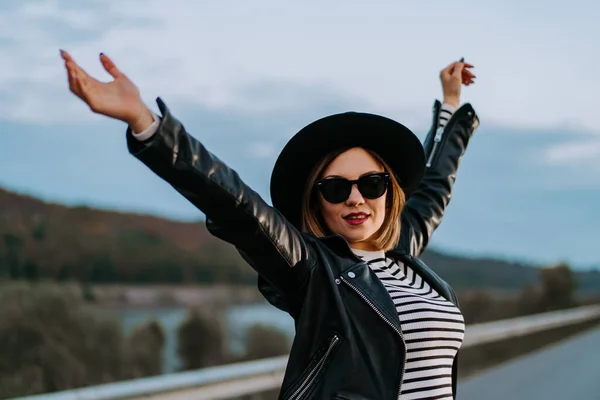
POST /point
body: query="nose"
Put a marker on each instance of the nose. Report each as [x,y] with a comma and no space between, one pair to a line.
[355,197]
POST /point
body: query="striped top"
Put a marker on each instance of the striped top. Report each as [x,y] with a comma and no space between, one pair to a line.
[433,328]
[446,112]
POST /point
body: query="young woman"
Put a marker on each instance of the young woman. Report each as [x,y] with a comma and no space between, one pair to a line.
[356,199]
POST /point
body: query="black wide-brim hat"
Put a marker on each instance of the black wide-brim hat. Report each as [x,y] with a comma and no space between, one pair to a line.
[397,145]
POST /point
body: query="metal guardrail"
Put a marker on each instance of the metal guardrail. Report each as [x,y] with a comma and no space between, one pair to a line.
[229,381]
[509,328]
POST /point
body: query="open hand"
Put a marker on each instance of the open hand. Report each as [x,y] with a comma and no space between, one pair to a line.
[453,77]
[119,99]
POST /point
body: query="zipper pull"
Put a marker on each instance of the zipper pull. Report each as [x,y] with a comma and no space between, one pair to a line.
[438,134]
[436,141]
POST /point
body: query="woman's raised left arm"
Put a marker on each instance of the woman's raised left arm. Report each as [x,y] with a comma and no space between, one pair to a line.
[279,252]
[445,145]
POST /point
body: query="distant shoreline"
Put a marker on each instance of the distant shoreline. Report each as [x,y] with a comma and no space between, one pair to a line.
[152,296]
[147,296]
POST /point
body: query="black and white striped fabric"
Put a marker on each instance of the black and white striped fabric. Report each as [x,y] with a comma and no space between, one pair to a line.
[446,112]
[433,328]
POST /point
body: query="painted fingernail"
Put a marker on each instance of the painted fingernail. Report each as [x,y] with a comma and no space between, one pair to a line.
[462,59]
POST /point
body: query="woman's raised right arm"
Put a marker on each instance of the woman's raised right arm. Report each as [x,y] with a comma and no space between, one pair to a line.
[235,213]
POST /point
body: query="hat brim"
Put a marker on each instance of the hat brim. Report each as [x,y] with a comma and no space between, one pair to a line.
[397,145]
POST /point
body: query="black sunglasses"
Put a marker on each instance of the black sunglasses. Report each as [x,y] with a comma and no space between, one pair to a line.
[337,190]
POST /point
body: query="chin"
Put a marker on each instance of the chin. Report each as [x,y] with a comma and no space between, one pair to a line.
[354,238]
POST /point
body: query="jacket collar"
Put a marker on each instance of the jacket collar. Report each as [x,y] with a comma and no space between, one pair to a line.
[365,280]
[426,273]
[340,245]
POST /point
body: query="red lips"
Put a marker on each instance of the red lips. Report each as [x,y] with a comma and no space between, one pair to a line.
[356,215]
[356,218]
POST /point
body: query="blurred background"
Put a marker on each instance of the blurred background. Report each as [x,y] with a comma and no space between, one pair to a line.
[107,274]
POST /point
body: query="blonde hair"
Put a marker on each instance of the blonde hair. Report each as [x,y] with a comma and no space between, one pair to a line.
[388,235]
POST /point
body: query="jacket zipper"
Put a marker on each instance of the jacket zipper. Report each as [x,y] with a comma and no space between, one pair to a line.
[436,143]
[437,140]
[314,372]
[387,321]
[438,135]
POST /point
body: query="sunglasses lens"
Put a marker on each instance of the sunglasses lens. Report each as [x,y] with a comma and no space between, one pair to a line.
[372,186]
[335,190]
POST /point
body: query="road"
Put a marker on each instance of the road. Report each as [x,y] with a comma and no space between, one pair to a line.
[568,370]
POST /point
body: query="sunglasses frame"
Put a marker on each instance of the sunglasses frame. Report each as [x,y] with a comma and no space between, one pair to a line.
[385,175]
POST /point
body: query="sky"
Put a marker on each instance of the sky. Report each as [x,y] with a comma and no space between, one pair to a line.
[243,77]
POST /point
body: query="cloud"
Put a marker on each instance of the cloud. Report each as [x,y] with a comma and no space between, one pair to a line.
[244,79]
[586,152]
[263,149]
[210,53]
[33,82]
[507,199]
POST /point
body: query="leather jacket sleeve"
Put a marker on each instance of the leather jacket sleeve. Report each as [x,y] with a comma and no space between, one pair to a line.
[234,212]
[425,207]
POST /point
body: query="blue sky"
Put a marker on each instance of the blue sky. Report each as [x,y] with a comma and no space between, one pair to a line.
[245,76]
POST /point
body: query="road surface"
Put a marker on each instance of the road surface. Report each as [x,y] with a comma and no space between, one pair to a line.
[568,370]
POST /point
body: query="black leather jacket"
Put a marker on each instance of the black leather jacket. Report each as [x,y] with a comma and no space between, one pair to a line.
[349,342]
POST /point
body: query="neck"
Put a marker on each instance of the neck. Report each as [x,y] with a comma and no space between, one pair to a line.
[364,246]
[369,254]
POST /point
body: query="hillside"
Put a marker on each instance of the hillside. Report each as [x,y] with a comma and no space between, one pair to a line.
[51,240]
[44,240]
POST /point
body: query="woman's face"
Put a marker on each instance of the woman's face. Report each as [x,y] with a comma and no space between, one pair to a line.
[357,218]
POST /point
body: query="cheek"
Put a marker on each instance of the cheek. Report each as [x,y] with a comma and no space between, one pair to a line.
[378,207]
[328,210]
[331,213]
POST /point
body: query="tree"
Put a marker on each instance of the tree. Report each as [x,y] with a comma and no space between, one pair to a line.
[13,245]
[558,287]
[65,272]
[478,306]
[102,269]
[30,271]
[50,341]
[201,340]
[530,301]
[144,349]
[40,230]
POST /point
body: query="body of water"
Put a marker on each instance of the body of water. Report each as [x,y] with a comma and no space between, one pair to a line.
[237,321]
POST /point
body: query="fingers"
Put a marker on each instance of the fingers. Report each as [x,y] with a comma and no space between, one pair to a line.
[77,77]
[467,76]
[458,70]
[451,69]
[463,73]
[467,65]
[446,72]
[71,68]
[72,78]
[109,66]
